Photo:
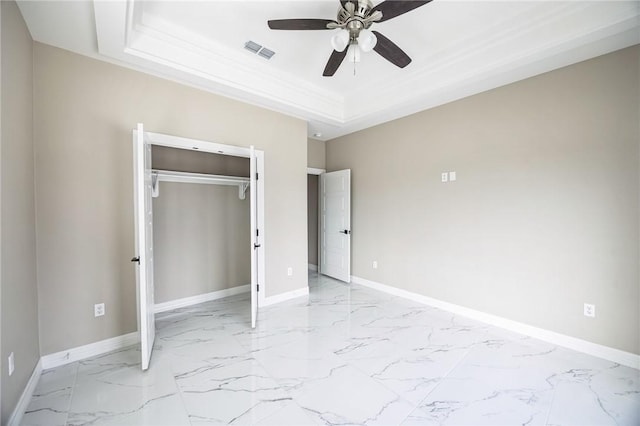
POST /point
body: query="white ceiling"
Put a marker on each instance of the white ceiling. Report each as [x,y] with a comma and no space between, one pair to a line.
[458,48]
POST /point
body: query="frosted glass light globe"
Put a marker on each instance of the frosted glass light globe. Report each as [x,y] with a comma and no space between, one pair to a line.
[340,41]
[367,40]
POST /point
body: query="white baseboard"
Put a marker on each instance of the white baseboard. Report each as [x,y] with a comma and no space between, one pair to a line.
[313,267]
[285,296]
[25,398]
[615,355]
[201,298]
[92,349]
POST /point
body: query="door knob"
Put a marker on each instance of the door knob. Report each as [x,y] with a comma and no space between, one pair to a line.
[346,232]
[136,259]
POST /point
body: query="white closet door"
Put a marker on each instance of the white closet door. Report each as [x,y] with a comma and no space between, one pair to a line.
[335,224]
[144,242]
[255,237]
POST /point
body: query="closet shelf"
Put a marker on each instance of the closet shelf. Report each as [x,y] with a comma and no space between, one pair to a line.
[158,176]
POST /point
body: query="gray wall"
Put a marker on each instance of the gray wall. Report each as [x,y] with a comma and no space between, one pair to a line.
[544,215]
[201,240]
[316,154]
[201,233]
[312,218]
[84,113]
[18,271]
[182,160]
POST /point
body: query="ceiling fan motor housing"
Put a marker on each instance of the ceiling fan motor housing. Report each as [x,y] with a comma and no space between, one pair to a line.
[354,9]
[353,17]
[363,8]
[343,15]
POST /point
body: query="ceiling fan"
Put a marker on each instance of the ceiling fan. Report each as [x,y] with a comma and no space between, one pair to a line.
[355,17]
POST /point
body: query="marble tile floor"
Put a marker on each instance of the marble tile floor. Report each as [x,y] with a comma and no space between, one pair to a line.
[346,355]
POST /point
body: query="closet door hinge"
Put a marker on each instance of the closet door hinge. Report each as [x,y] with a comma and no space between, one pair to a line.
[258,287]
[257,176]
[257,232]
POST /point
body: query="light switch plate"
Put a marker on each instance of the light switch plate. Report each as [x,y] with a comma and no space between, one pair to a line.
[445,177]
[452,176]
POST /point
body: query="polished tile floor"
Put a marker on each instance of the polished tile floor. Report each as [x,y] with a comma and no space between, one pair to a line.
[347,355]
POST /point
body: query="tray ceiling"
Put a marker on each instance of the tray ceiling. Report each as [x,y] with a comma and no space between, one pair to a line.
[458,48]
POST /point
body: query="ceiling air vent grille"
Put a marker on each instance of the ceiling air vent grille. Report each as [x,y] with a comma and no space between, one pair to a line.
[254,47]
[266,53]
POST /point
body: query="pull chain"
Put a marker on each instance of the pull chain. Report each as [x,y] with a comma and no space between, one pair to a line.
[354,62]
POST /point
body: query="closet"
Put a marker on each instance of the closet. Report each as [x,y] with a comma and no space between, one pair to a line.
[208,225]
[201,232]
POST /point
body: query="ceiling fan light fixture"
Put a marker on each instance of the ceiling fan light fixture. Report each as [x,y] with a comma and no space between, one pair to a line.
[352,22]
[340,40]
[367,40]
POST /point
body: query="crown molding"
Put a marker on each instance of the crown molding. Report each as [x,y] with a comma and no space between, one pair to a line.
[539,38]
[124,35]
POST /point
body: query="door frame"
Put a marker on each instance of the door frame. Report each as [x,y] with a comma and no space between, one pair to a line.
[235,151]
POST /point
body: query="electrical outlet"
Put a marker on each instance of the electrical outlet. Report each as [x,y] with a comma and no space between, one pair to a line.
[444,177]
[98,309]
[589,310]
[290,271]
[12,366]
[375,264]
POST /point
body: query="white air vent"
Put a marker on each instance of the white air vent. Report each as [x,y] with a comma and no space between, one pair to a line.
[254,47]
[266,53]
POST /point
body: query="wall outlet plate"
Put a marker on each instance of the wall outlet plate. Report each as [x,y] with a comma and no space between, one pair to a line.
[444,177]
[98,309]
[589,310]
[375,264]
[290,272]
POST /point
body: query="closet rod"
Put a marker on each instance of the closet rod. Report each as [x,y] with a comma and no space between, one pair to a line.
[186,177]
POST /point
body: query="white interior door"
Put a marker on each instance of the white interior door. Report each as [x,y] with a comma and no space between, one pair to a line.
[335,224]
[144,242]
[255,237]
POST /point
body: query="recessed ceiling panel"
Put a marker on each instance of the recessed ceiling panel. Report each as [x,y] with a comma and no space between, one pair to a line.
[457,48]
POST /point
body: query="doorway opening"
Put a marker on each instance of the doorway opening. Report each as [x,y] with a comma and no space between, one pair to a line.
[335,225]
[313,220]
[201,227]
[329,222]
